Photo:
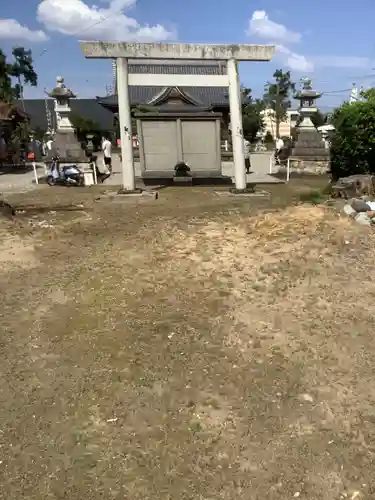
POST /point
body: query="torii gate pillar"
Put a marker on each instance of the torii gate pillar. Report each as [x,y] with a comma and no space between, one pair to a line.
[122,52]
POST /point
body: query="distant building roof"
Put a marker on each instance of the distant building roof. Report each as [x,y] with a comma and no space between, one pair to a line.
[9,112]
[87,108]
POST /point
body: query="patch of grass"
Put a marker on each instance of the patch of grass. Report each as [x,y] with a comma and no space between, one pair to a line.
[315,197]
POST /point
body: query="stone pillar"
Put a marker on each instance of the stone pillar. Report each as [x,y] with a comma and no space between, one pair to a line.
[235,104]
[128,174]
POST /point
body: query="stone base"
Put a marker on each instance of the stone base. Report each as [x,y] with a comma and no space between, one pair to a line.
[123,195]
[183,180]
[128,192]
[309,144]
[67,147]
[309,165]
[249,189]
[259,193]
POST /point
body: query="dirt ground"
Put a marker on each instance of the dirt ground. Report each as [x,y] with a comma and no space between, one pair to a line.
[194,347]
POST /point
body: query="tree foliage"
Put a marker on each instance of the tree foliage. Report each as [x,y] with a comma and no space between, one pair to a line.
[353,143]
[318,119]
[252,121]
[84,126]
[14,75]
[277,96]
[368,94]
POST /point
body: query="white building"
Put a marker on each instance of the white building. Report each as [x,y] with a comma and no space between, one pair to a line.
[286,126]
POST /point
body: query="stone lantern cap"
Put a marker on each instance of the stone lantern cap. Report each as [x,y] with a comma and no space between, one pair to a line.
[61,91]
[307,91]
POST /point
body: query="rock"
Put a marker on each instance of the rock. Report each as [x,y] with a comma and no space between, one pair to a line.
[363,219]
[349,210]
[6,209]
[359,205]
[354,185]
[370,214]
[307,397]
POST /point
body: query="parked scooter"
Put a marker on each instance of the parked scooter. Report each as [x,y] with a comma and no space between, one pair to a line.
[70,175]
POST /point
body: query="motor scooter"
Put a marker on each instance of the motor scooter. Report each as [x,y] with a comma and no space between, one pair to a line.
[69,175]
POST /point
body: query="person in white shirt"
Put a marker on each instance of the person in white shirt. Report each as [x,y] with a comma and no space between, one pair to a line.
[47,146]
[107,151]
[246,151]
[279,144]
[279,147]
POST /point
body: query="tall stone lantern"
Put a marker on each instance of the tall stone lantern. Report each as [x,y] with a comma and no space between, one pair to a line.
[65,142]
[309,154]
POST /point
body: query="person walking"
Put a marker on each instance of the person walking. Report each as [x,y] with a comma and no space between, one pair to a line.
[107,151]
[246,150]
[279,147]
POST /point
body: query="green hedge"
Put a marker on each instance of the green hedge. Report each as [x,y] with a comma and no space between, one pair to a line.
[353,144]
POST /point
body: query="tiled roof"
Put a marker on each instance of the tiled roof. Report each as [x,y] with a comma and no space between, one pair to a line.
[142,95]
[7,112]
[87,108]
[206,95]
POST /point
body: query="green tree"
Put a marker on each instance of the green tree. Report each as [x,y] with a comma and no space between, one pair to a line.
[22,70]
[318,119]
[368,94]
[14,75]
[277,96]
[6,89]
[84,126]
[353,143]
[252,121]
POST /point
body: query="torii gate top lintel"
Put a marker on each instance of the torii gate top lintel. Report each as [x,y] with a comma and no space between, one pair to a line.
[184,51]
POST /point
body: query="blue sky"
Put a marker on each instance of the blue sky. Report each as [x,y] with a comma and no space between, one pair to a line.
[330,41]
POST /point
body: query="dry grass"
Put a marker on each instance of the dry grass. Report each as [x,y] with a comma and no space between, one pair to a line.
[192,348]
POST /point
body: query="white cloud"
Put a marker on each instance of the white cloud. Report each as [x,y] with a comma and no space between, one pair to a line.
[73,17]
[261,26]
[294,61]
[10,29]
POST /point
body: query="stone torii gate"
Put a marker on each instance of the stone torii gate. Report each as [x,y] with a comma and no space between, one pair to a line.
[122,52]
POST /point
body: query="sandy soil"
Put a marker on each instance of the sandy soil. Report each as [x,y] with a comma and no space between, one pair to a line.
[196,347]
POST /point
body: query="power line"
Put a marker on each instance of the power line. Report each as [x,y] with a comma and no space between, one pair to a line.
[103,19]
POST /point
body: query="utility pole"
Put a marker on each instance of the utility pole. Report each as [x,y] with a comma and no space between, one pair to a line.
[277,110]
[48,113]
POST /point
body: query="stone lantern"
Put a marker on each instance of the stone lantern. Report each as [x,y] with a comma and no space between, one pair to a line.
[62,95]
[309,154]
[65,142]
